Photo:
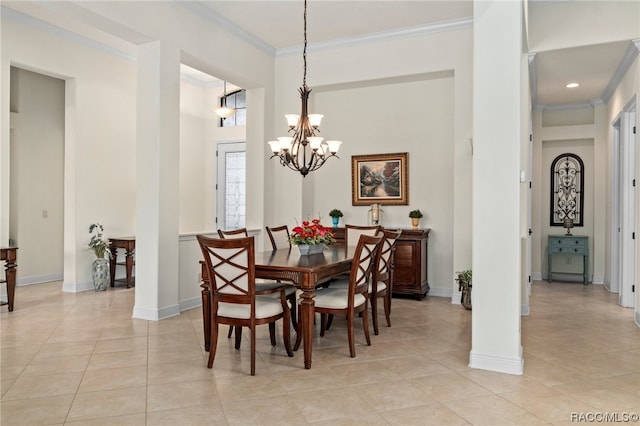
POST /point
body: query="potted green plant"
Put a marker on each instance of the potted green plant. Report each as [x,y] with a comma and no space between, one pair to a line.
[335,216]
[415,216]
[100,266]
[464,286]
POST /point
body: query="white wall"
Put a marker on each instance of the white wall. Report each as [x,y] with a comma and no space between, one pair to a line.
[584,148]
[371,70]
[558,25]
[100,100]
[100,120]
[414,117]
[37,171]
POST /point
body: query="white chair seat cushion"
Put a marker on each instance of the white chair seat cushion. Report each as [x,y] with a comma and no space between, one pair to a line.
[336,298]
[266,306]
[288,289]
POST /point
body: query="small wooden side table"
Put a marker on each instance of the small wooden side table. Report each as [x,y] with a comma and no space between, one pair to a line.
[129,246]
[8,254]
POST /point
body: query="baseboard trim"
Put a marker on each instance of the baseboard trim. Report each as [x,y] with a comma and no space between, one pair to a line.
[440,292]
[156,314]
[524,310]
[536,276]
[499,364]
[39,279]
[195,302]
[68,287]
[638,318]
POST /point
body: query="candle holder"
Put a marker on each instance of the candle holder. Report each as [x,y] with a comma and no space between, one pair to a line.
[375,215]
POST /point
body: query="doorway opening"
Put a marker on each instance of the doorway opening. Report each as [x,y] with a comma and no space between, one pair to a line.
[623,207]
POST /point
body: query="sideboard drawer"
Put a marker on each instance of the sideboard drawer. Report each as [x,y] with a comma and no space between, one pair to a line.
[567,249]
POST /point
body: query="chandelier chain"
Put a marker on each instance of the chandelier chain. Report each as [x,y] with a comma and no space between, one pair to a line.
[304,50]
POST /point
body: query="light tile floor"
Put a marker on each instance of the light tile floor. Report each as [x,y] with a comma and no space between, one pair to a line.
[80,359]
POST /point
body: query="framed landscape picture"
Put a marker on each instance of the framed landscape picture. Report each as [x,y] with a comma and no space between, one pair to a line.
[380,178]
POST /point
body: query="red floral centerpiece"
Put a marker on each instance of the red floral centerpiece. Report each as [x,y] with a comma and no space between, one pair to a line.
[311,237]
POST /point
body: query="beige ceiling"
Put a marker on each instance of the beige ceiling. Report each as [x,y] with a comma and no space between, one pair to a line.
[591,66]
[278,24]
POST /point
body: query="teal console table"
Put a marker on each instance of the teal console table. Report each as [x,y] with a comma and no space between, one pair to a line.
[569,244]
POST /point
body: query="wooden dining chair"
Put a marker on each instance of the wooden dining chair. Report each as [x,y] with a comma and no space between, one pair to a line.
[351,237]
[381,282]
[233,233]
[264,288]
[230,267]
[352,233]
[352,300]
[381,285]
[279,236]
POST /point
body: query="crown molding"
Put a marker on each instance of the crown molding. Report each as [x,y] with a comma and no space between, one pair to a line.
[533,78]
[30,21]
[202,11]
[627,60]
[564,107]
[415,31]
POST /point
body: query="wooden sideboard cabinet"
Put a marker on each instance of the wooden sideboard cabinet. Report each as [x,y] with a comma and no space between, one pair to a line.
[411,266]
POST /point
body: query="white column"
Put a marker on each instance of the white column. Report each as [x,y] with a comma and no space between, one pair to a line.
[496,247]
[157,178]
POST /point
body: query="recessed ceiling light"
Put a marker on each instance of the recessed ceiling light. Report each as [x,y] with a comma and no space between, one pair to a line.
[572,85]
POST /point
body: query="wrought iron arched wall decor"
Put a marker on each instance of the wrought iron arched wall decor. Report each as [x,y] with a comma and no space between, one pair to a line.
[567,183]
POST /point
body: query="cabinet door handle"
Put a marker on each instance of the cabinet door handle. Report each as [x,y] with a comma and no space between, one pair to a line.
[576,250]
[560,249]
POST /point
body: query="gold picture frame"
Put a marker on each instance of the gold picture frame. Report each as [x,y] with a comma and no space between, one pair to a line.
[380,178]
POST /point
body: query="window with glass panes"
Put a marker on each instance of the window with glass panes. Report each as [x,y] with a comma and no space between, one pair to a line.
[238,101]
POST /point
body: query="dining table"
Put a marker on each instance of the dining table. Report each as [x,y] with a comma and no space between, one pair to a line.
[303,271]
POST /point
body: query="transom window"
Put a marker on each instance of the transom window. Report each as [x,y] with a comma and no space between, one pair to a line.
[238,101]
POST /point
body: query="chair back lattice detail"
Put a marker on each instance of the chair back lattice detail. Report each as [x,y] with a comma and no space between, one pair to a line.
[364,262]
[231,268]
[353,233]
[385,255]
[279,237]
[234,233]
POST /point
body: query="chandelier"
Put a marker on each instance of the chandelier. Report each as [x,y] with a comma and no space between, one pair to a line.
[224,111]
[304,151]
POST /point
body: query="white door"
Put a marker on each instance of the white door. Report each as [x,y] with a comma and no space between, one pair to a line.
[231,185]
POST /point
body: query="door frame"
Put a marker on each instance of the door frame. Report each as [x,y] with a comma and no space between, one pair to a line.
[623,206]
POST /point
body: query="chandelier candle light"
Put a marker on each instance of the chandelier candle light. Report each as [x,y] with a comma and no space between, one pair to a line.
[304,152]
